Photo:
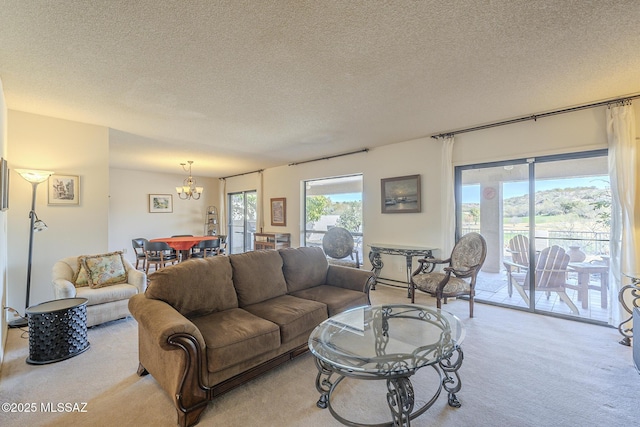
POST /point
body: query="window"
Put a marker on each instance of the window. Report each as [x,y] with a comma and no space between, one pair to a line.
[333,202]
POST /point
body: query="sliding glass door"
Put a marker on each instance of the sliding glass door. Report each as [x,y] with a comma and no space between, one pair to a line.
[546,222]
[242,221]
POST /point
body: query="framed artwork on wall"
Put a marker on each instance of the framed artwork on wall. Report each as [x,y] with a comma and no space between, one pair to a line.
[279,211]
[4,185]
[401,194]
[160,203]
[64,190]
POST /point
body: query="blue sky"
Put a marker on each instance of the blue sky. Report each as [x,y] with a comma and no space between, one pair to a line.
[471,193]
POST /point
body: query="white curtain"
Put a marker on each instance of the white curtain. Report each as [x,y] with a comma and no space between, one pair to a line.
[625,215]
[260,203]
[448,207]
[222,213]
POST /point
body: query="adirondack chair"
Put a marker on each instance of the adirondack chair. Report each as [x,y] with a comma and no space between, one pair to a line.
[519,250]
[550,276]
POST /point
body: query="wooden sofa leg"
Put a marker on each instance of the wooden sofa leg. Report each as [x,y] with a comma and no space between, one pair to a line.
[141,370]
[190,418]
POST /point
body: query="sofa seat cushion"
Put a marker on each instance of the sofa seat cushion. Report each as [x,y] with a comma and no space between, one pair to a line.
[304,267]
[294,316]
[235,335]
[337,299]
[94,296]
[257,276]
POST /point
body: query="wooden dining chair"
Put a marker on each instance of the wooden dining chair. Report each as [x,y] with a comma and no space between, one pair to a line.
[138,250]
[206,248]
[159,254]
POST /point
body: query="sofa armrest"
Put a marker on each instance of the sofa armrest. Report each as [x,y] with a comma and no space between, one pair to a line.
[350,278]
[138,279]
[63,289]
[162,321]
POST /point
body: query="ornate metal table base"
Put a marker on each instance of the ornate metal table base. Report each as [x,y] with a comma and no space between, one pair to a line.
[405,251]
[634,290]
[400,394]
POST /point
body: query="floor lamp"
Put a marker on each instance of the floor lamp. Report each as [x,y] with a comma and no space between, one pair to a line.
[35,177]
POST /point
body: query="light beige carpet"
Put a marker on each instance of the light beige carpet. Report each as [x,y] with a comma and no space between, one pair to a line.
[519,369]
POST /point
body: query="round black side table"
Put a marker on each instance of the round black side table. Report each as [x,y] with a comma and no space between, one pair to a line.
[57,330]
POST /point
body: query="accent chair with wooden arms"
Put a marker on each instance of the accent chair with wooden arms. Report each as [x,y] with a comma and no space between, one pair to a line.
[465,262]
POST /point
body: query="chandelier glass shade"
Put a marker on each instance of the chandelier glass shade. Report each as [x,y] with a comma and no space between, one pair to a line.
[189,189]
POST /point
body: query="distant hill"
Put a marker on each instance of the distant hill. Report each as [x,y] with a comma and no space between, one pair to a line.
[577,200]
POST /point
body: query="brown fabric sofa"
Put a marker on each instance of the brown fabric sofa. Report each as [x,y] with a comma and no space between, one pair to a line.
[208,325]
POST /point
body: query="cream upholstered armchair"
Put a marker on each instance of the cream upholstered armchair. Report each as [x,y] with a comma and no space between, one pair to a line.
[107,281]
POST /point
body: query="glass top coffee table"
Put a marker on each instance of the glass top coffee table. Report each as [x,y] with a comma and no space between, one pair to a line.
[388,342]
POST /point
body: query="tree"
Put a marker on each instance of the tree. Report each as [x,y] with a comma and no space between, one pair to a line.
[474,213]
[316,207]
[351,216]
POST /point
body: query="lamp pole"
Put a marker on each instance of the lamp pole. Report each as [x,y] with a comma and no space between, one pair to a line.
[35,178]
[32,215]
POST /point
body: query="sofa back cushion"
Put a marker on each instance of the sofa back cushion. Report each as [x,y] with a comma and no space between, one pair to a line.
[304,267]
[257,276]
[195,287]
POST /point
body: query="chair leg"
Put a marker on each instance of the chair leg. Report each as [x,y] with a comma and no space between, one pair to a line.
[564,297]
[471,305]
[522,293]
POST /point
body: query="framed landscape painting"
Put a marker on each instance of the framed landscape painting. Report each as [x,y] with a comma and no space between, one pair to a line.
[160,203]
[64,190]
[401,194]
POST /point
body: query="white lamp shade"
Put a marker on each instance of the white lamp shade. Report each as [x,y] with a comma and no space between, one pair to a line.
[34,176]
[179,190]
[199,189]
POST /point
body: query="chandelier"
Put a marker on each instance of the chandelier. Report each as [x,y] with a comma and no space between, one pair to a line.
[189,189]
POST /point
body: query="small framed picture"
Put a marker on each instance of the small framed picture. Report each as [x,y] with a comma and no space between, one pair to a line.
[401,194]
[279,211]
[64,190]
[160,203]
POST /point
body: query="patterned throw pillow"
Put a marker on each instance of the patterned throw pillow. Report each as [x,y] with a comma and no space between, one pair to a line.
[81,278]
[105,269]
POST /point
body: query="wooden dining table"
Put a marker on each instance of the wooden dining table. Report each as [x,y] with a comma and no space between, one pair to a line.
[183,244]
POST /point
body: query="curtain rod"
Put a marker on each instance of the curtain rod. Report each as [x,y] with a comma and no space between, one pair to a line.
[364,150]
[535,117]
[240,174]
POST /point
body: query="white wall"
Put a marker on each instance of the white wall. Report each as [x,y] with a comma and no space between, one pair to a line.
[420,156]
[572,132]
[566,133]
[129,215]
[67,148]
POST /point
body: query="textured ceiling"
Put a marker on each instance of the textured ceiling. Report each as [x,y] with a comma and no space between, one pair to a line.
[239,85]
